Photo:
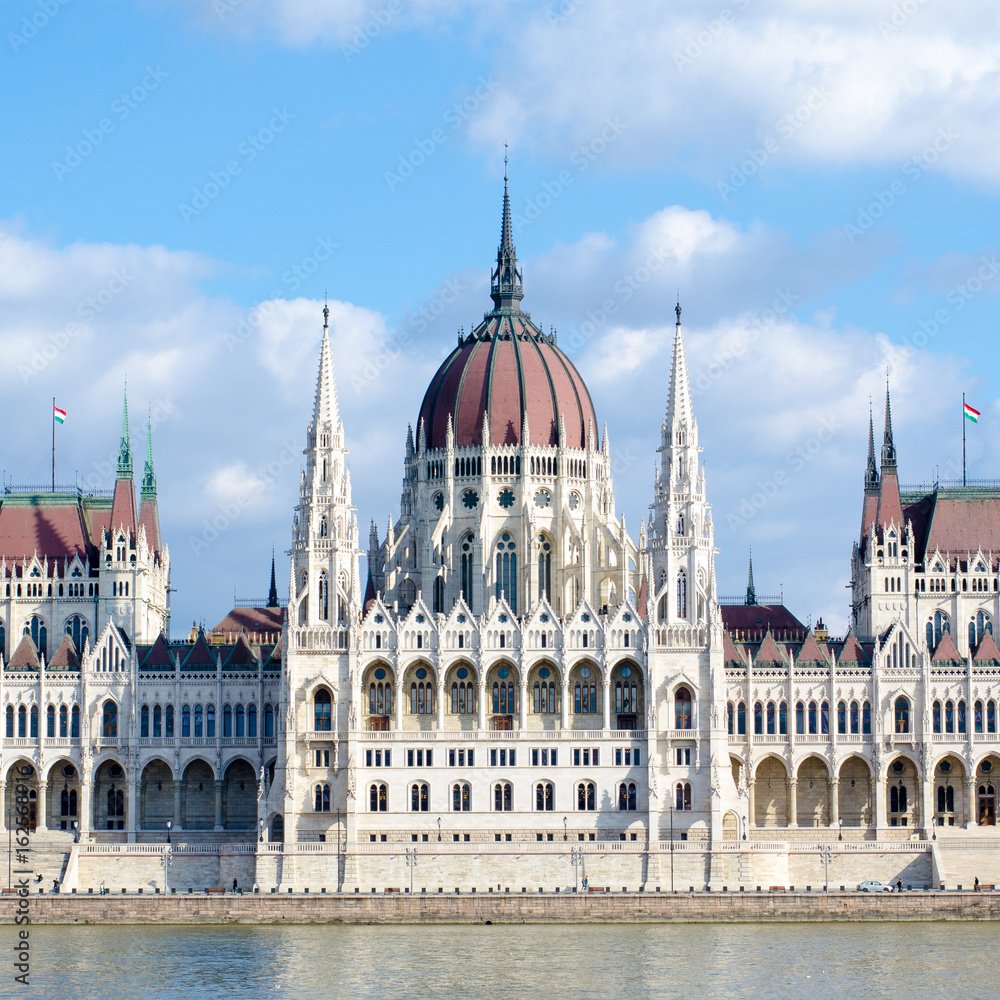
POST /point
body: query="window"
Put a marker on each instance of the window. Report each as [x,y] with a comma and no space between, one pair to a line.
[991,716]
[626,694]
[866,719]
[378,798]
[545,796]
[586,796]
[323,609]
[682,595]
[144,721]
[855,719]
[186,721]
[937,625]
[439,595]
[78,631]
[902,708]
[210,721]
[252,720]
[682,709]
[770,718]
[421,695]
[682,796]
[323,798]
[157,721]
[741,719]
[730,716]
[74,730]
[684,756]
[978,627]
[800,725]
[63,725]
[506,570]
[227,721]
[199,720]
[503,696]
[34,722]
[627,796]
[240,721]
[544,568]
[420,797]
[109,729]
[35,627]
[322,711]
[961,717]
[22,722]
[783,719]
[503,796]
[545,695]
[467,578]
[812,718]
[461,797]
[379,696]
[842,718]
[463,695]
[977,716]
[10,722]
[268,721]
[585,694]
[758,718]
[50,721]
[824,718]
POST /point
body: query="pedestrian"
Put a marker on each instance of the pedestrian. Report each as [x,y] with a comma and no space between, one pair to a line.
[38,878]
[975,885]
[899,885]
[235,886]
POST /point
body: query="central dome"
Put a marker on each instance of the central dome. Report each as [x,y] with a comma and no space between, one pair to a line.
[509,370]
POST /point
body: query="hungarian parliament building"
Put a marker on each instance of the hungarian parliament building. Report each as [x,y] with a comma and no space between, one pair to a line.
[513,669]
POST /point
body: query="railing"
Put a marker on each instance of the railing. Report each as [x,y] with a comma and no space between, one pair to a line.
[74,490]
[258,603]
[490,735]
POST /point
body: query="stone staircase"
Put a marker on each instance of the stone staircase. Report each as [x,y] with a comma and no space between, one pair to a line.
[964,859]
[48,855]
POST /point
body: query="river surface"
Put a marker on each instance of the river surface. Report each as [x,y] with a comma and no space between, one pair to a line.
[552,961]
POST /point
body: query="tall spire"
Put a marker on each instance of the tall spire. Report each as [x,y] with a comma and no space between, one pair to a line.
[125,447]
[751,591]
[272,594]
[679,400]
[148,488]
[888,448]
[325,410]
[506,282]
[871,473]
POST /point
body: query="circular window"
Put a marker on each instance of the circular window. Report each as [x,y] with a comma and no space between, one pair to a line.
[461,619]
[585,617]
[897,766]
[543,498]
[467,545]
[626,671]
[470,498]
[987,766]
[626,617]
[503,672]
[462,673]
[421,674]
[439,501]
[544,618]
[503,618]
[574,501]
[584,671]
[945,766]
[379,619]
[506,499]
[380,674]
[420,619]
[544,672]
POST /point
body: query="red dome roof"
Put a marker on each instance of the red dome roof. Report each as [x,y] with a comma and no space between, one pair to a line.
[509,369]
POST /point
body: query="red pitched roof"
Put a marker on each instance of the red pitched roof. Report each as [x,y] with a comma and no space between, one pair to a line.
[768,651]
[201,656]
[253,621]
[946,650]
[889,508]
[65,657]
[149,518]
[810,651]
[53,530]
[123,507]
[852,651]
[963,524]
[730,652]
[158,654]
[759,618]
[25,656]
[987,649]
[643,598]
[241,655]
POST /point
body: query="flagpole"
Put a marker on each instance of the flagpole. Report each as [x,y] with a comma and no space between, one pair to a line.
[54,444]
[963,438]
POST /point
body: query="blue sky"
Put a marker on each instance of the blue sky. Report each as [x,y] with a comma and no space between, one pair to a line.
[206,171]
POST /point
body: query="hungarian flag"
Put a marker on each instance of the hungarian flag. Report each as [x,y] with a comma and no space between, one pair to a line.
[971,413]
[60,415]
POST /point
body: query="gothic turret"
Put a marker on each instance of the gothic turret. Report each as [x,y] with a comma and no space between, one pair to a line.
[123,513]
[149,514]
[506,282]
[889,508]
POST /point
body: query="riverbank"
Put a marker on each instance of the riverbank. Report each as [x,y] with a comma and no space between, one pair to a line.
[482,908]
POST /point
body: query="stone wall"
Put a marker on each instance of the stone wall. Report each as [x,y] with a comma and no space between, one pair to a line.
[506,908]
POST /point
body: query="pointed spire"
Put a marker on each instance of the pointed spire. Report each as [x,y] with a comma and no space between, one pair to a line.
[148,488]
[679,400]
[125,447]
[751,590]
[888,448]
[871,473]
[325,410]
[506,282]
[272,594]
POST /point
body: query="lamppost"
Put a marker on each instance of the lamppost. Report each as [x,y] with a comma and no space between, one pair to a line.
[564,828]
[439,829]
[170,826]
[826,854]
[260,831]
[671,843]
[76,832]
[576,857]
[840,822]
[411,863]
[167,862]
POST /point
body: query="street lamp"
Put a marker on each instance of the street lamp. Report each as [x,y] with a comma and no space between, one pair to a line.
[169,828]
[826,854]
[439,829]
[76,832]
[671,841]
[576,857]
[840,821]
[564,828]
[411,863]
[260,828]
[167,862]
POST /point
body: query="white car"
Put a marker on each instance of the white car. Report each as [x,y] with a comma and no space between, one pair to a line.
[873,885]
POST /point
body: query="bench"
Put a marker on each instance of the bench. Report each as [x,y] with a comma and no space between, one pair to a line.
[11,891]
[216,890]
[776,888]
[983,887]
[595,888]
[390,890]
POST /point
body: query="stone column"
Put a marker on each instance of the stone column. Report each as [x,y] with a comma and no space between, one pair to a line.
[970,798]
[3,806]
[607,702]
[218,804]
[131,805]
[440,700]
[523,714]
[834,803]
[751,805]
[178,786]
[793,802]
[482,703]
[927,803]
[876,797]
[567,694]
[41,808]
[86,809]
[399,702]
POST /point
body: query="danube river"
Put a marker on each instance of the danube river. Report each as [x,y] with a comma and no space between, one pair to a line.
[552,961]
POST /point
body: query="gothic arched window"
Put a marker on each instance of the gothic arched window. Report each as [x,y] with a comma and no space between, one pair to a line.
[506,570]
[544,567]
[682,598]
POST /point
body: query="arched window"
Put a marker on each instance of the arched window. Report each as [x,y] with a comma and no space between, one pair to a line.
[627,796]
[144,721]
[240,721]
[109,727]
[800,718]
[741,719]
[78,631]
[991,716]
[902,708]
[324,527]
[461,797]
[855,718]
[783,719]
[682,709]
[586,796]
[682,597]
[503,698]
[34,722]
[503,796]
[585,694]
[463,696]
[936,716]
[378,798]
[420,797]
[682,796]
[439,595]
[323,798]
[324,598]
[50,721]
[978,627]
[379,697]
[680,524]
[199,720]
[322,711]
[210,721]
[842,718]
[937,625]
[770,718]
[252,720]
[866,719]
[545,796]
[35,627]
[812,718]
[157,721]
[227,721]
[824,718]
[63,722]
[545,696]
[949,716]
[506,570]
[468,590]
[544,568]
[268,721]
[22,722]
[758,718]
[421,695]
[730,718]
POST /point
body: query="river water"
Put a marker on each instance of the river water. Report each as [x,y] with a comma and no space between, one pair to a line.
[510,962]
